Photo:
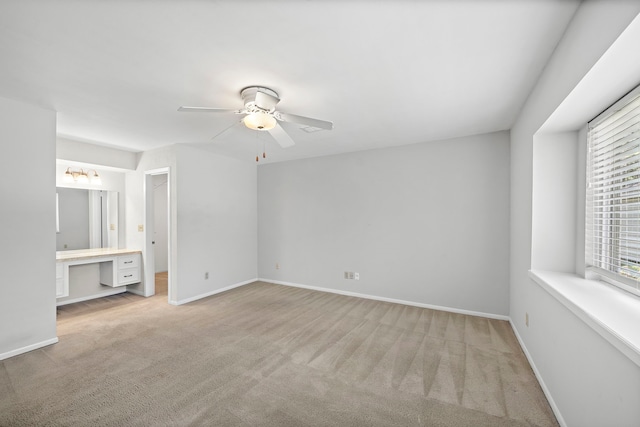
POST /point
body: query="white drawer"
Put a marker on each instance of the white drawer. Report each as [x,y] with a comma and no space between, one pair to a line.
[128,275]
[128,261]
[59,270]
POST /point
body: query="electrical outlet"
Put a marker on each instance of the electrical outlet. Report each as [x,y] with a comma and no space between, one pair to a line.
[357,276]
[349,275]
[206,275]
[277,266]
[526,319]
[140,227]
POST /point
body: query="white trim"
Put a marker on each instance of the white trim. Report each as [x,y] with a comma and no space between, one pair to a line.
[545,389]
[392,300]
[28,348]
[158,171]
[95,218]
[613,108]
[346,293]
[617,280]
[208,294]
[148,249]
[613,313]
[89,297]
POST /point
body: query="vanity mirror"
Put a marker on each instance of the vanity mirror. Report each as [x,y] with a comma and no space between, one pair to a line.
[86,219]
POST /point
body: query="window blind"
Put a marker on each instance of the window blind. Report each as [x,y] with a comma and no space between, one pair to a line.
[613,193]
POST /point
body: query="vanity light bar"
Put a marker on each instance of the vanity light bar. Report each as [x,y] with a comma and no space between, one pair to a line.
[82,176]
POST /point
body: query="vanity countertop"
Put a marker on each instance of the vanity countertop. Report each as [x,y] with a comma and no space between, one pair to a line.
[74,255]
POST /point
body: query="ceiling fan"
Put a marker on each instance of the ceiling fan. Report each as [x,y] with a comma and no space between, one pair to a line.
[261,114]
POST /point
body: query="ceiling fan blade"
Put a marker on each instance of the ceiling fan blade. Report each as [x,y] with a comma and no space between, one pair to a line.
[281,136]
[226,129]
[308,121]
[206,110]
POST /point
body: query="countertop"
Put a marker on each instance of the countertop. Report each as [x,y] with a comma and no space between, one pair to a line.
[79,254]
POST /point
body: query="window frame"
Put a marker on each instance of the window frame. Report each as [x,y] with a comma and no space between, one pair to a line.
[592,271]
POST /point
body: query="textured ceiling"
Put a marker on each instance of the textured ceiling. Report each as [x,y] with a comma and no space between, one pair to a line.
[385,72]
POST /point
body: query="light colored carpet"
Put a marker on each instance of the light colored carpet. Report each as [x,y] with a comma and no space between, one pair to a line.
[271,355]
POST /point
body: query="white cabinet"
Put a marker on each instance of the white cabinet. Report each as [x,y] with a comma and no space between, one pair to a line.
[123,270]
[118,267]
[62,286]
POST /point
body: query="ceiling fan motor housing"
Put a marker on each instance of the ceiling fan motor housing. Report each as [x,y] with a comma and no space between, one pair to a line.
[259,99]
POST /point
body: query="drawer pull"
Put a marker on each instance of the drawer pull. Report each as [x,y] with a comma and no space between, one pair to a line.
[128,262]
[129,275]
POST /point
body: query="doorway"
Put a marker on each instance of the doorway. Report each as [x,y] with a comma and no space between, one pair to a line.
[158,234]
[160,240]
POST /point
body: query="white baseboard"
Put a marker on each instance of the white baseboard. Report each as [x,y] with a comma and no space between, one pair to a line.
[28,348]
[545,390]
[87,298]
[392,300]
[208,294]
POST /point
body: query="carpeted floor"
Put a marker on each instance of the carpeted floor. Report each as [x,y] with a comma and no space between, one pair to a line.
[270,355]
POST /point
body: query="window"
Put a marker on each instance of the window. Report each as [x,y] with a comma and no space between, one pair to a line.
[613,194]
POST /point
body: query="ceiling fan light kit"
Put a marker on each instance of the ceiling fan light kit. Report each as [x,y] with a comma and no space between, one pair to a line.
[259,121]
[260,114]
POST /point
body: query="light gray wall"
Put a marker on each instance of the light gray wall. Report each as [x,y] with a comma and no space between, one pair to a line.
[28,236]
[555,180]
[164,157]
[217,223]
[589,381]
[426,223]
[84,282]
[96,155]
[213,205]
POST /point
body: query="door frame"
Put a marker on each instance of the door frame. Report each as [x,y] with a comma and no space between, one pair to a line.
[148,249]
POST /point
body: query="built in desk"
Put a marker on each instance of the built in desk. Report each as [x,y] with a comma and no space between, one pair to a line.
[118,267]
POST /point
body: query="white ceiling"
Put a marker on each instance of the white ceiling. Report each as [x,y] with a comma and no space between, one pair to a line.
[385,72]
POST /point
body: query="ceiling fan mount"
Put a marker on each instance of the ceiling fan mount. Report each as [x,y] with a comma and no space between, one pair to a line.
[261,114]
[259,99]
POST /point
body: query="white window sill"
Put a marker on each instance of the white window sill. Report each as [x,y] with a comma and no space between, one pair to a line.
[612,312]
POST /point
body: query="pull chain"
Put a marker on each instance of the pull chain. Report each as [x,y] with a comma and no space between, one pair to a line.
[258,147]
[264,148]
